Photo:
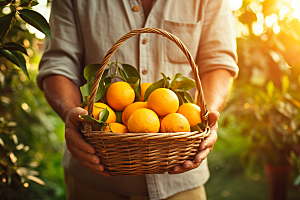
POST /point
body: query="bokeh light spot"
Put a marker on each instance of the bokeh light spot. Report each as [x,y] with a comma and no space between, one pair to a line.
[24,106]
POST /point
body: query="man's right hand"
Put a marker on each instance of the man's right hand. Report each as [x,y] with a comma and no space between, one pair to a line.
[80,149]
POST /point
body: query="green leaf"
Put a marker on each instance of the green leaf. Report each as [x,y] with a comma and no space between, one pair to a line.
[134,82]
[122,74]
[119,116]
[36,20]
[167,82]
[101,88]
[104,75]
[285,84]
[14,47]
[183,83]
[90,119]
[177,75]
[100,91]
[84,90]
[29,3]
[5,23]
[180,96]
[104,95]
[188,97]
[153,87]
[198,127]
[188,83]
[4,2]
[103,115]
[297,180]
[87,118]
[16,58]
[107,80]
[91,70]
[130,71]
[85,101]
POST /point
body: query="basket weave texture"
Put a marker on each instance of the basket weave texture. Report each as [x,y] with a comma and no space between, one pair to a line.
[145,153]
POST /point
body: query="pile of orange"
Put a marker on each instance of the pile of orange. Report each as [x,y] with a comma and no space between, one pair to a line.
[160,113]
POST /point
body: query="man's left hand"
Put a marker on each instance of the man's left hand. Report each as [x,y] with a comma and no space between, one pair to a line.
[205,147]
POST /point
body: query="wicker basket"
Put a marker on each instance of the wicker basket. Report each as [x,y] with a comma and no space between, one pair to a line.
[145,153]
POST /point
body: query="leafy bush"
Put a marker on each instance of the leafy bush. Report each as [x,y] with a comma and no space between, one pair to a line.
[29,146]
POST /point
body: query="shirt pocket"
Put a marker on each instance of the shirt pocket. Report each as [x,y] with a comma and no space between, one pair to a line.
[188,33]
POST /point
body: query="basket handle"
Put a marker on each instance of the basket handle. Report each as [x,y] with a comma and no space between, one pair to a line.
[166,34]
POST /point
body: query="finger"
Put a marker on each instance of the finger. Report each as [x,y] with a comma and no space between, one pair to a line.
[213,117]
[99,169]
[209,141]
[73,120]
[74,138]
[202,155]
[186,166]
[85,157]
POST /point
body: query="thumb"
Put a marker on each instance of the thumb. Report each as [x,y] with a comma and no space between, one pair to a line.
[73,120]
[213,117]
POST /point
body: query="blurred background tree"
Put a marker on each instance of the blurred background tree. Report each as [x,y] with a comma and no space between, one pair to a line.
[260,122]
[31,136]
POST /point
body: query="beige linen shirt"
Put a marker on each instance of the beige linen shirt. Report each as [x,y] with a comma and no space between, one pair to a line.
[84,30]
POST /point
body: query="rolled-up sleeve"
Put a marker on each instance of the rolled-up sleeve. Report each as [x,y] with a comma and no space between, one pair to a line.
[63,53]
[217,48]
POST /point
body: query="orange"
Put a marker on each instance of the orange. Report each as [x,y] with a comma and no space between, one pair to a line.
[143,120]
[144,87]
[173,123]
[130,109]
[98,107]
[119,95]
[163,101]
[191,112]
[115,128]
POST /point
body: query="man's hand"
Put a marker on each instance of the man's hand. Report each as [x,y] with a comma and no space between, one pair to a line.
[80,149]
[205,147]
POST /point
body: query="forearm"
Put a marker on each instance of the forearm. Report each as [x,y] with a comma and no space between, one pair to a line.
[62,94]
[216,85]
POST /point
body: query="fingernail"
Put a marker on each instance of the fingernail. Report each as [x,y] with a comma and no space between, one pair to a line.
[175,170]
[90,151]
[95,160]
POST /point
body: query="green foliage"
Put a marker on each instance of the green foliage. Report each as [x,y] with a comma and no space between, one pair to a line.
[178,84]
[29,146]
[127,73]
[265,101]
[9,50]
[36,20]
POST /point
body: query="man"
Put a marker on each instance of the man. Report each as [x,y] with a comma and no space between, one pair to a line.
[83,31]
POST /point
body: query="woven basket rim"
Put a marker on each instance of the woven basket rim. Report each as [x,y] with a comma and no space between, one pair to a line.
[148,136]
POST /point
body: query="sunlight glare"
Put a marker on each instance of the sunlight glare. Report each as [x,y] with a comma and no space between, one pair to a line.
[295,4]
[271,20]
[6,10]
[257,28]
[284,10]
[260,18]
[276,28]
[235,4]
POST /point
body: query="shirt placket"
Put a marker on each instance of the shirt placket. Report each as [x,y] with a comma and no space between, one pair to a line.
[139,19]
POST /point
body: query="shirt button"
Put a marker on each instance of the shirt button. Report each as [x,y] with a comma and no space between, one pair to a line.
[144,71]
[136,8]
[144,41]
